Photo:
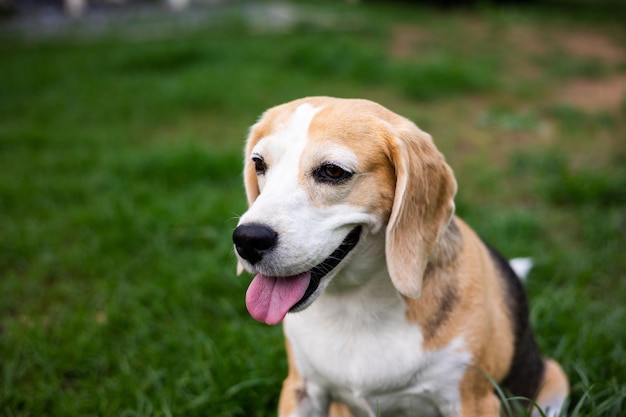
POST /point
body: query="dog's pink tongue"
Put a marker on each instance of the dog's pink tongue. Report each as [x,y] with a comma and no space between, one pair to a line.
[268,299]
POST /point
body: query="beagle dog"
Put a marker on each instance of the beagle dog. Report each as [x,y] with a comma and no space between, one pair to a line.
[391,305]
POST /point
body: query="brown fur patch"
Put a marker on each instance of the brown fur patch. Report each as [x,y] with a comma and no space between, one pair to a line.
[359,132]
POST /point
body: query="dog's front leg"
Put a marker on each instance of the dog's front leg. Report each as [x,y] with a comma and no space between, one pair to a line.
[300,399]
[485,406]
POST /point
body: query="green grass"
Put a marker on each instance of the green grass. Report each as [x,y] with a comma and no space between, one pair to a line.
[120,184]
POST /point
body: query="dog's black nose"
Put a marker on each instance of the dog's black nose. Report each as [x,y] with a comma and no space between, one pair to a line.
[252,241]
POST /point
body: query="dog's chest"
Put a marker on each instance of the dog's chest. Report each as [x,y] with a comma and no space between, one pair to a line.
[367,355]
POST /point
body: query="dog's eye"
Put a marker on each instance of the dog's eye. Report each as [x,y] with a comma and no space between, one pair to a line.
[331,173]
[259,165]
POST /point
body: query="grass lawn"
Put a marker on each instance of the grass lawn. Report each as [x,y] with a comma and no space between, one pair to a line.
[120,160]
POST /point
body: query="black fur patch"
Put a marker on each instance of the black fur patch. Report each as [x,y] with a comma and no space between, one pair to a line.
[448,303]
[527,367]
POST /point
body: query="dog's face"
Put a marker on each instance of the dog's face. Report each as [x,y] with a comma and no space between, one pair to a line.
[323,176]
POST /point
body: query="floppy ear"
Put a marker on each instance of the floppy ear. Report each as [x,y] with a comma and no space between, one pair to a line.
[249,177]
[249,173]
[250,181]
[423,206]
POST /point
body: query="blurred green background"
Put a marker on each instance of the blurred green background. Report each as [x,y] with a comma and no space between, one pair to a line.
[121,137]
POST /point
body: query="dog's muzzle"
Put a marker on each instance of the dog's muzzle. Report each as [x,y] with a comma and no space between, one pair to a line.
[270,298]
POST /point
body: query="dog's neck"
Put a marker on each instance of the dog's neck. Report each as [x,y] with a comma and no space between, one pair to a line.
[363,294]
[370,260]
[363,265]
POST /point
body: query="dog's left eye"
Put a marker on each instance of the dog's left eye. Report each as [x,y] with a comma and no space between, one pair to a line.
[331,173]
[259,165]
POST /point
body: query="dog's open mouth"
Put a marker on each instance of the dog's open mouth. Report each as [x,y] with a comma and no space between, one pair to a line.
[269,298]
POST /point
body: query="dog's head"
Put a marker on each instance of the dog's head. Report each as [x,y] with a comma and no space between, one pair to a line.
[323,176]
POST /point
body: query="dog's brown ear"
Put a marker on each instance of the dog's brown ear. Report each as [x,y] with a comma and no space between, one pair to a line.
[423,206]
[249,174]
[250,180]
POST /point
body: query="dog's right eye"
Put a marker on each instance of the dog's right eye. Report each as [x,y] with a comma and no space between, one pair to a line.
[259,165]
[331,174]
